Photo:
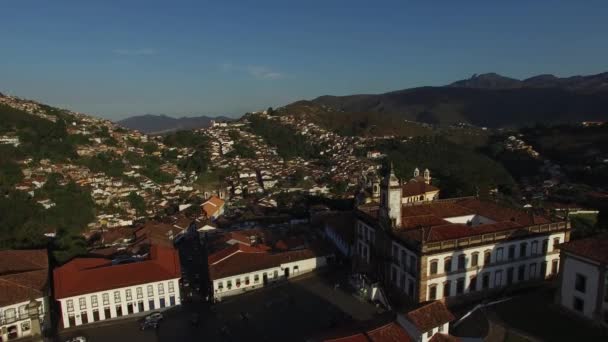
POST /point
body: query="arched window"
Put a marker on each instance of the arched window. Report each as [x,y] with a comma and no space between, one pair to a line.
[434,266]
[447,264]
[487,257]
[475,259]
[432,292]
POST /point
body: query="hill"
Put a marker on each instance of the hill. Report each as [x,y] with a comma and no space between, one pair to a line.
[488,100]
[158,124]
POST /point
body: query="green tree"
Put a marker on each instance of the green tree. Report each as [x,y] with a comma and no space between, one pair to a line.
[137,202]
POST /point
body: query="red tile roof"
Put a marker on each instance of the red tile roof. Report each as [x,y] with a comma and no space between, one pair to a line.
[23,275]
[594,248]
[86,275]
[439,337]
[212,206]
[391,332]
[430,316]
[413,188]
[245,262]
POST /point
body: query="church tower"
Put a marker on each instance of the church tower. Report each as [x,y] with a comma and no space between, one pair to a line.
[390,198]
[427,176]
[416,172]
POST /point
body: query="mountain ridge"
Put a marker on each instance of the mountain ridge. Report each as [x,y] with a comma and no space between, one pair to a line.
[162,123]
[488,100]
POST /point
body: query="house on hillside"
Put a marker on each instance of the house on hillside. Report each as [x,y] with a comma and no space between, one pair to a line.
[213,207]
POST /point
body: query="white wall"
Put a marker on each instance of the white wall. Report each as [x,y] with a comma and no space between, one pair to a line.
[89,308]
[495,265]
[571,267]
[295,268]
[399,274]
[21,318]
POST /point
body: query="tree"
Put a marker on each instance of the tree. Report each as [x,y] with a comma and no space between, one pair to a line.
[137,202]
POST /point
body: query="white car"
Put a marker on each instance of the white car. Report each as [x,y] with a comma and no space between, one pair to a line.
[155,316]
[77,339]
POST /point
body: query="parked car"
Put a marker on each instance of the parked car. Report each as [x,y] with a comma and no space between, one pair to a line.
[155,316]
[77,339]
[149,324]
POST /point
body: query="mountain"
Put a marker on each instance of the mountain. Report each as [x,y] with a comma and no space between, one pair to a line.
[488,100]
[157,124]
[592,83]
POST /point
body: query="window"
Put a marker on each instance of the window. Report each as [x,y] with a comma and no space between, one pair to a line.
[555,243]
[171,287]
[162,302]
[429,334]
[511,252]
[475,259]
[485,281]
[161,289]
[413,264]
[523,249]
[462,262]
[275,274]
[543,270]
[432,292]
[521,273]
[555,266]
[118,310]
[106,299]
[83,303]
[172,300]
[393,275]
[22,311]
[534,247]
[220,285]
[256,278]
[580,283]
[94,301]
[498,279]
[447,286]
[499,254]
[296,269]
[238,282]
[532,271]
[140,306]
[129,295]
[403,260]
[460,286]
[150,304]
[578,304]
[510,272]
[10,314]
[433,266]
[473,284]
[150,290]
[247,280]
[69,303]
[116,297]
[545,246]
[229,284]
[487,257]
[140,293]
[447,264]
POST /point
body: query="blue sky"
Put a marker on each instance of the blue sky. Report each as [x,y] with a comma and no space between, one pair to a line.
[119,58]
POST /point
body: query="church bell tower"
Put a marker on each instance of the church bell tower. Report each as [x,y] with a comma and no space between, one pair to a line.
[390,198]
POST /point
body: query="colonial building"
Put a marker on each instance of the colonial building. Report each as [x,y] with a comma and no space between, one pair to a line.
[444,248]
[240,268]
[96,289]
[428,323]
[417,189]
[23,293]
[583,285]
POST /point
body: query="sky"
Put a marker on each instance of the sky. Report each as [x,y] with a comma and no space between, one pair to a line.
[118,58]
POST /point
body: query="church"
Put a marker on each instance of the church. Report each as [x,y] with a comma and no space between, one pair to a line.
[425,248]
[417,189]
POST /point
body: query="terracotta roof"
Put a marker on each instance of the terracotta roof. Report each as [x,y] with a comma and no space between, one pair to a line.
[236,248]
[391,332]
[212,206]
[439,337]
[430,316]
[86,275]
[23,275]
[594,248]
[245,262]
[414,187]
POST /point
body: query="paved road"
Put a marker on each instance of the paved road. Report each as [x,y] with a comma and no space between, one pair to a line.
[291,311]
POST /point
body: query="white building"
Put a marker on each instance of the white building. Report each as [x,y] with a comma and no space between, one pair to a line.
[583,285]
[447,248]
[95,289]
[241,268]
[23,293]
